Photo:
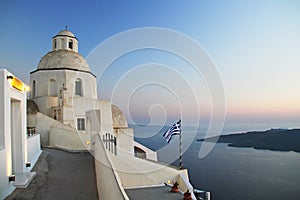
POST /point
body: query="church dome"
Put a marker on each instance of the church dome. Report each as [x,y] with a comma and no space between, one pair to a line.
[63,59]
[32,108]
[65,33]
[119,120]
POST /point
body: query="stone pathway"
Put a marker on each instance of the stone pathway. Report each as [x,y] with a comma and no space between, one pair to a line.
[61,175]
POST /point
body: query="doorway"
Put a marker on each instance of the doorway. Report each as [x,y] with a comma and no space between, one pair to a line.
[16,136]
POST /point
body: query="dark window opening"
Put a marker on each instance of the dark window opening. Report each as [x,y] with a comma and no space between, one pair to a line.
[78,87]
[33,89]
[140,153]
[70,44]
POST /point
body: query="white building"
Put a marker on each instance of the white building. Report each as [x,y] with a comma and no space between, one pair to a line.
[64,89]
[18,151]
[62,81]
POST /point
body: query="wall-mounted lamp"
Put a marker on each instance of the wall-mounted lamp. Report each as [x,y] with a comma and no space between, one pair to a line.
[28,164]
[11,178]
[16,83]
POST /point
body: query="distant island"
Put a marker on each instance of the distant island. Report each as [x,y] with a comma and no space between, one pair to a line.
[273,139]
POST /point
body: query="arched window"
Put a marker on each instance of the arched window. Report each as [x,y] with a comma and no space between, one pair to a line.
[59,114]
[71,44]
[52,89]
[33,89]
[78,87]
[54,44]
[62,46]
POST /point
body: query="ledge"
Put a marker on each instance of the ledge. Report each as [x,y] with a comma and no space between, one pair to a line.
[23,179]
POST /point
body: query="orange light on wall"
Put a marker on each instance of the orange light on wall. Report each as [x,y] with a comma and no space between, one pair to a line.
[16,83]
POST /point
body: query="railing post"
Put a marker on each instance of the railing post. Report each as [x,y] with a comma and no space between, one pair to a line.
[207,196]
[115,143]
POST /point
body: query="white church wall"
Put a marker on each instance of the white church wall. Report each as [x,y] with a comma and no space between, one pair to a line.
[68,116]
[106,116]
[45,104]
[88,84]
[84,105]
[44,101]
[76,109]
[42,79]
[35,92]
[104,106]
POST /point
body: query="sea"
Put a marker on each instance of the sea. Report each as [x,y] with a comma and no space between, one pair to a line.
[228,173]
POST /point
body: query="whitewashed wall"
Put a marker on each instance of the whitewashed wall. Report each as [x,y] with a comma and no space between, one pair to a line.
[109,184]
[150,154]
[33,150]
[13,138]
[68,138]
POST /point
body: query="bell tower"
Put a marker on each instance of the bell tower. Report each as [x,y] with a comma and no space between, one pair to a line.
[65,40]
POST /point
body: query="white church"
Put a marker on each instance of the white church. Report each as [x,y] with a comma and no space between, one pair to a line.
[62,81]
[63,109]
[64,93]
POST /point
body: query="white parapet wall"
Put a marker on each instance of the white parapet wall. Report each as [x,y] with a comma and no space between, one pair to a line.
[109,184]
[150,154]
[135,172]
[33,150]
[68,138]
[43,124]
[122,171]
[124,141]
[56,134]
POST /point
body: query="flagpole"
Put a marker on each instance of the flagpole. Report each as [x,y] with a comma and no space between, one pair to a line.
[172,131]
[180,150]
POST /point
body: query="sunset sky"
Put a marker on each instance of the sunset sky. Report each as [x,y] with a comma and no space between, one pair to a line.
[254,44]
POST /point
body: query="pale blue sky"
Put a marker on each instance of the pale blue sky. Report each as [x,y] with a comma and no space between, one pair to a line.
[254,44]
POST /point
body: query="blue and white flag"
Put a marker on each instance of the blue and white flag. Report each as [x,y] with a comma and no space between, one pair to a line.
[174,130]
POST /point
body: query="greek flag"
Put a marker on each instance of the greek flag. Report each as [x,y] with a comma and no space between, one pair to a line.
[174,130]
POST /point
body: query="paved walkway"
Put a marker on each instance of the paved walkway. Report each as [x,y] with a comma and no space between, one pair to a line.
[61,175]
